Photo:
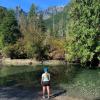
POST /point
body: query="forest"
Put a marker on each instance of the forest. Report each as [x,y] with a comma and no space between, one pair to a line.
[72,34]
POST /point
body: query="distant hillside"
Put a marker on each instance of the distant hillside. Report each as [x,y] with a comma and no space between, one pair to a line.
[2,7]
[58,21]
[47,13]
[54,17]
[17,11]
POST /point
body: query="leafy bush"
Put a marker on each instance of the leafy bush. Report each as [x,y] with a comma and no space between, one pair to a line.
[15,51]
[83,28]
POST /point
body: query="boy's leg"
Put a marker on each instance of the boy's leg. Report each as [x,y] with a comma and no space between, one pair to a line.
[48,91]
[44,88]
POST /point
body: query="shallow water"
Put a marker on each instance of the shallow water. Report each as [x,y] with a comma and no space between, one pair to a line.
[78,82]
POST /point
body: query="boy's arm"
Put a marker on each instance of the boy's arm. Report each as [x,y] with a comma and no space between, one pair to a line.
[49,77]
[41,79]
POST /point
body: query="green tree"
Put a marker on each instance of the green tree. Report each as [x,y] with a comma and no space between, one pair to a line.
[33,11]
[42,23]
[2,15]
[23,23]
[84,30]
[32,28]
[9,28]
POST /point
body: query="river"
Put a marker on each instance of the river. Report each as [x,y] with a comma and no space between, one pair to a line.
[77,81]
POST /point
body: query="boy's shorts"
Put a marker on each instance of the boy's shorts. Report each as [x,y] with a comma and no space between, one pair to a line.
[46,83]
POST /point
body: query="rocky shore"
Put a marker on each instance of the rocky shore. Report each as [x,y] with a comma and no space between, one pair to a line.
[8,61]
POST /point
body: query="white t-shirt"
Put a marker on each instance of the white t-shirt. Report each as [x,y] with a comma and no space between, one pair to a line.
[45,77]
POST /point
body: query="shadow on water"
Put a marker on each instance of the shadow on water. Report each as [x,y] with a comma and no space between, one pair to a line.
[25,84]
[11,93]
[32,78]
[23,74]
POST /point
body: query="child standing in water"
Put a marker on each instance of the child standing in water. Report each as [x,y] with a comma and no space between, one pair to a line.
[45,81]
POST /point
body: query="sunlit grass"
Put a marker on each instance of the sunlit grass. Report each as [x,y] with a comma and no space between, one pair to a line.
[85,84]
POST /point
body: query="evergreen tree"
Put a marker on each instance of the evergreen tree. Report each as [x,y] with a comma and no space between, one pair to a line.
[2,15]
[33,11]
[9,28]
[42,23]
[84,30]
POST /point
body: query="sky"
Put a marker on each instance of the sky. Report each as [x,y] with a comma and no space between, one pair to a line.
[25,4]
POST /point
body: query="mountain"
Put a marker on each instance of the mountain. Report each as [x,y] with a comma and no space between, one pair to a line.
[57,23]
[56,17]
[19,11]
[2,7]
[53,9]
[47,13]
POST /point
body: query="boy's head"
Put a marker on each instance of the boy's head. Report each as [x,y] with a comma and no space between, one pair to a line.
[45,69]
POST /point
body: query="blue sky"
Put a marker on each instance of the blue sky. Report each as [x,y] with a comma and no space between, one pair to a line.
[25,4]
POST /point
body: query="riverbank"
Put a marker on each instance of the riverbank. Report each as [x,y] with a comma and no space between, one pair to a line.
[16,93]
[67,98]
[8,61]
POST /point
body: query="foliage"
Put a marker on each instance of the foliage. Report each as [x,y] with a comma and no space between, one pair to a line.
[57,23]
[41,23]
[16,51]
[2,15]
[33,11]
[29,35]
[9,32]
[33,29]
[42,52]
[84,30]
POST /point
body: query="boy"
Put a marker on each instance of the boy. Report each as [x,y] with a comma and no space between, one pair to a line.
[45,81]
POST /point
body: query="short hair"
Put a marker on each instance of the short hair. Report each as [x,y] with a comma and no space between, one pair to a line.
[45,69]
